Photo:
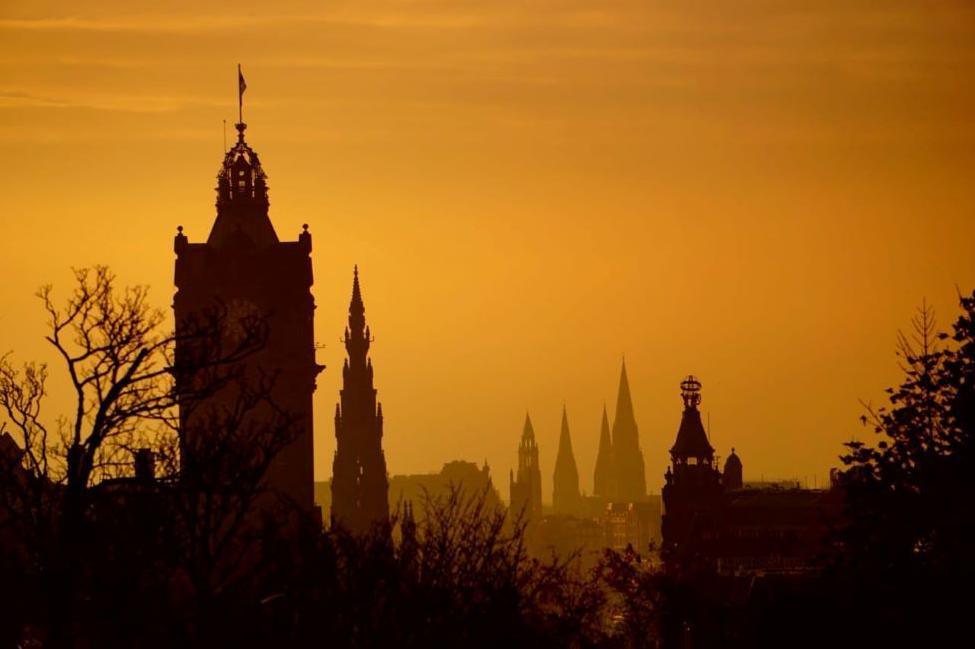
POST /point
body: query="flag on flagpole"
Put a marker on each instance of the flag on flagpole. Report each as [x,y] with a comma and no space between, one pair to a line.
[241,87]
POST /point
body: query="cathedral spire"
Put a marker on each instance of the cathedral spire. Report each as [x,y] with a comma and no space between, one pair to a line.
[528,431]
[603,475]
[565,493]
[624,402]
[629,475]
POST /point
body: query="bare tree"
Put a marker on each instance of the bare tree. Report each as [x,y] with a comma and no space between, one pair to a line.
[134,386]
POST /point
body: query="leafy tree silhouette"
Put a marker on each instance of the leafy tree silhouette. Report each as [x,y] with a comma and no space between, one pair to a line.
[906,548]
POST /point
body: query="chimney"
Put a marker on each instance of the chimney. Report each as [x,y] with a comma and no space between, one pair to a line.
[145,465]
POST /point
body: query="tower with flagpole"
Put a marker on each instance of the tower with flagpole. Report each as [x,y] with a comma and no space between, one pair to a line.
[244,270]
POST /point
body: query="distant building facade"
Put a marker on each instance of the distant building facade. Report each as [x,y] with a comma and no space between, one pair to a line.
[633,525]
[526,486]
[359,481]
[472,481]
[568,536]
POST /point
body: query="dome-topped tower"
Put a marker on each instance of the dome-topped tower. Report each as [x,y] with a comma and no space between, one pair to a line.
[692,486]
[242,198]
[241,176]
[732,476]
[692,445]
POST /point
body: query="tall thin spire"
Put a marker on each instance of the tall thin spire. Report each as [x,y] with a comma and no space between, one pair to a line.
[526,484]
[629,472]
[565,494]
[624,402]
[359,483]
[528,431]
[603,475]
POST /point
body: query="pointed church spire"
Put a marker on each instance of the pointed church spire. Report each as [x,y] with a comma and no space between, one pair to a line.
[357,335]
[629,474]
[565,493]
[359,482]
[603,475]
[356,304]
[528,432]
[624,402]
[526,485]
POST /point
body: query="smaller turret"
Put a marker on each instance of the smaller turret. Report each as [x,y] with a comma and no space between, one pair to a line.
[526,488]
[732,478]
[693,485]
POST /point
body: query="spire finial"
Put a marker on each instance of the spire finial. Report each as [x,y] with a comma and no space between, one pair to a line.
[690,391]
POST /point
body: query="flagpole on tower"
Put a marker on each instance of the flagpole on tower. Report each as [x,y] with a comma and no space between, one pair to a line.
[240,94]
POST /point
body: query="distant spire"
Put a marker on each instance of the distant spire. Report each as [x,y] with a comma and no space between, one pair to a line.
[526,489]
[624,402]
[528,432]
[565,494]
[628,468]
[565,441]
[602,478]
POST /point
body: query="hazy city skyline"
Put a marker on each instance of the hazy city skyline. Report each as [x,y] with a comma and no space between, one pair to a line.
[531,198]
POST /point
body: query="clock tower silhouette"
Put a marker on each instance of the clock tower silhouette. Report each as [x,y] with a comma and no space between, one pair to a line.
[244,271]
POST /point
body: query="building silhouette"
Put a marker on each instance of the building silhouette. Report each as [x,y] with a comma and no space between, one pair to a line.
[630,483]
[359,481]
[244,270]
[526,488]
[603,483]
[714,520]
[692,483]
[471,480]
[565,494]
[733,475]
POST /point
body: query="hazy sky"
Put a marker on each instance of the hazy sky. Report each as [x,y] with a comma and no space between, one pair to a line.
[757,192]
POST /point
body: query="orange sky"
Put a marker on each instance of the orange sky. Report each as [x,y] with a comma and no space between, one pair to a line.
[756,192]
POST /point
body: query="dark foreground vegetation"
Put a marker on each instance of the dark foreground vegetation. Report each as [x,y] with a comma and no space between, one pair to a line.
[119,527]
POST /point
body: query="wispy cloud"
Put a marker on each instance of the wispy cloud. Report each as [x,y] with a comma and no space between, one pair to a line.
[166,23]
[111,103]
